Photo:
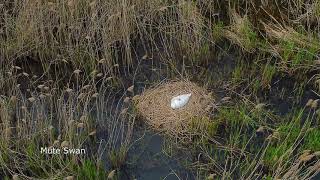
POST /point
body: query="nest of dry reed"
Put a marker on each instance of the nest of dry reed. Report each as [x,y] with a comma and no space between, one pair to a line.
[153,106]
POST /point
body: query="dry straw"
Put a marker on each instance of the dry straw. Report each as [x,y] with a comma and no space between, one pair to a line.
[153,107]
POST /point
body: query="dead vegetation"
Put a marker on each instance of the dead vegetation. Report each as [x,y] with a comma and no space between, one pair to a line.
[153,105]
[79,46]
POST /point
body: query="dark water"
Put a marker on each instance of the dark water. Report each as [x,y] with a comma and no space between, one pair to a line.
[317,177]
[151,162]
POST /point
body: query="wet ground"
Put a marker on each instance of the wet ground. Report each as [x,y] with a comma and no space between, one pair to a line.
[147,158]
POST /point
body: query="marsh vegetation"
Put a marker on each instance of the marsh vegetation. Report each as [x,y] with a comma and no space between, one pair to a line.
[70,71]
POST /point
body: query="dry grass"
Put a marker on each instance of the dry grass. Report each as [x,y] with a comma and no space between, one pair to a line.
[154,107]
[101,37]
[241,32]
[82,33]
[59,118]
[277,32]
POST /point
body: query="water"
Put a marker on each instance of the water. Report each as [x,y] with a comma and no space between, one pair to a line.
[150,160]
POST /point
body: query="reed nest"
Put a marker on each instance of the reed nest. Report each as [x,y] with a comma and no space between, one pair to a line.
[153,106]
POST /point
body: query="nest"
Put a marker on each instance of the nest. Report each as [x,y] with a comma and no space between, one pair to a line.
[154,106]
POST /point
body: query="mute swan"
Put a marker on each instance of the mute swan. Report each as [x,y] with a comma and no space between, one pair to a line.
[180,101]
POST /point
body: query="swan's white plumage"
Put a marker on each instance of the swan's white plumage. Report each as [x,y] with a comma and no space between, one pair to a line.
[180,101]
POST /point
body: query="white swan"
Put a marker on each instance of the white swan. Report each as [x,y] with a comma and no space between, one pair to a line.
[180,101]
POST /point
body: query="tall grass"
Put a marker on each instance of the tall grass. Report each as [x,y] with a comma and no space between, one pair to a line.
[61,118]
[63,61]
[82,33]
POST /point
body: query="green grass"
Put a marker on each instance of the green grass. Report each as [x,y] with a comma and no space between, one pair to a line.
[295,56]
[237,116]
[240,142]
[312,140]
[217,31]
[289,137]
[89,170]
